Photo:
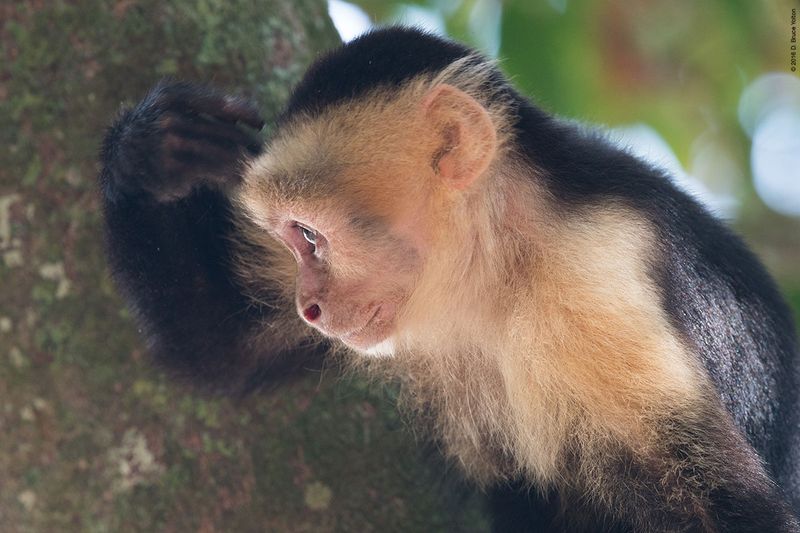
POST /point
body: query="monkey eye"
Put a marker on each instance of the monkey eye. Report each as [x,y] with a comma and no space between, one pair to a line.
[309,235]
[303,239]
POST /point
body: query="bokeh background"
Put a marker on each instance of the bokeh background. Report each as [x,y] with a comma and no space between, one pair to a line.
[92,438]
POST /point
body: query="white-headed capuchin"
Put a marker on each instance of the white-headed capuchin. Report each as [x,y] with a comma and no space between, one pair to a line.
[593,347]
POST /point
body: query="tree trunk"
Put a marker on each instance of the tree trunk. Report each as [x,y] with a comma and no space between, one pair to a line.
[92,438]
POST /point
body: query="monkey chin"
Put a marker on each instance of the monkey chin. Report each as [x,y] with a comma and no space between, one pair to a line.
[370,348]
[385,348]
[376,337]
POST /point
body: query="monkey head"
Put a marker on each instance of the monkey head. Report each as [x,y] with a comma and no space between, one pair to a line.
[371,197]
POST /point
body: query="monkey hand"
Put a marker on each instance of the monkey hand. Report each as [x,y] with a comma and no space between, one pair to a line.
[181,136]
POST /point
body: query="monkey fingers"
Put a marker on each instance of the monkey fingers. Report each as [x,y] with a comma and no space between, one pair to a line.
[181,96]
[180,137]
[198,128]
[200,151]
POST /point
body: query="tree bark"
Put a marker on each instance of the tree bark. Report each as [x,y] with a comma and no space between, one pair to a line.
[92,438]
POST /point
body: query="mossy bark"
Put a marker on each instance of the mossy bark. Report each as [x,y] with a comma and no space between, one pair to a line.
[91,437]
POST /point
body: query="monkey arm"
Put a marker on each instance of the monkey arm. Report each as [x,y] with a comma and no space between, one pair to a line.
[701,475]
[166,166]
[701,478]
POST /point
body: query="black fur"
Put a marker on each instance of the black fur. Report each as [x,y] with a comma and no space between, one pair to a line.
[515,507]
[389,57]
[171,261]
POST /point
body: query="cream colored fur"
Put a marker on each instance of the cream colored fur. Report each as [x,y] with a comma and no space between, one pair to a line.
[575,352]
[532,334]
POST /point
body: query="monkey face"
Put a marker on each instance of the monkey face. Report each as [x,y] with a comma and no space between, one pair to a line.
[353,274]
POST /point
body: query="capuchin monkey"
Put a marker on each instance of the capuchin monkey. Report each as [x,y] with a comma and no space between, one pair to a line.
[586,341]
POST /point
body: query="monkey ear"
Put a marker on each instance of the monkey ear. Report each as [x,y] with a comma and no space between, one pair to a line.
[466,140]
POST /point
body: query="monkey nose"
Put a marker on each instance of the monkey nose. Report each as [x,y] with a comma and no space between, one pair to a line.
[312,312]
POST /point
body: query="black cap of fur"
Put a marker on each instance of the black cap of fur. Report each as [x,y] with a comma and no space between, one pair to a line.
[386,57]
